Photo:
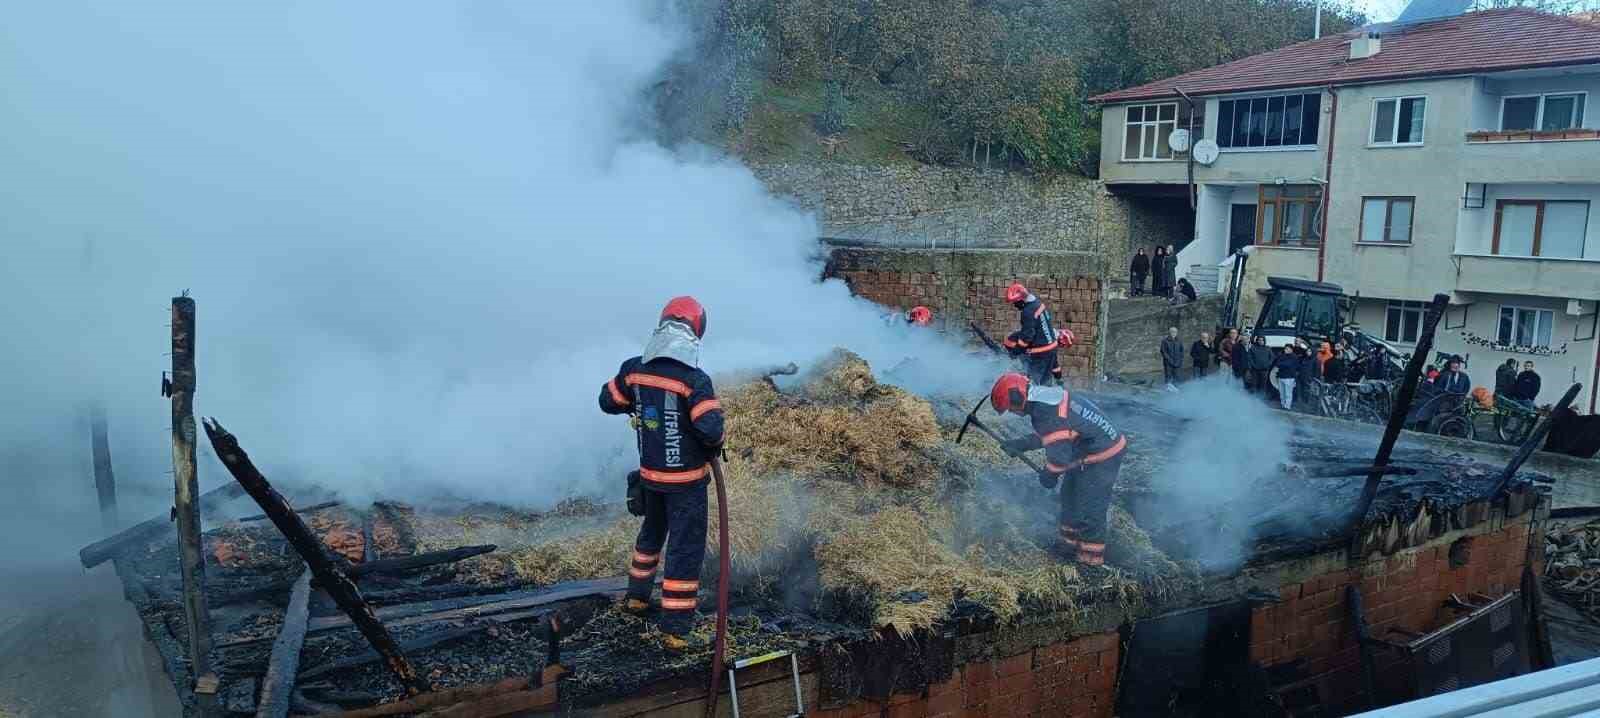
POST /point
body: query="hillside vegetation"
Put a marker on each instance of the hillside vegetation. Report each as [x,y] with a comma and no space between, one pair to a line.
[950,82]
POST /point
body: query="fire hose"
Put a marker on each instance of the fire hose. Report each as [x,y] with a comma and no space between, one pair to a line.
[719,654]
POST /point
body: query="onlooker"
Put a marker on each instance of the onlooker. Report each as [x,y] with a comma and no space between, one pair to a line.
[1528,382]
[1200,353]
[1171,358]
[1225,350]
[1137,272]
[1169,273]
[1261,358]
[1288,366]
[1324,353]
[1241,360]
[1185,292]
[1505,379]
[1308,371]
[1158,272]
[1453,380]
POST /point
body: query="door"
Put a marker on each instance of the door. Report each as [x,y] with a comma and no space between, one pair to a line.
[1241,227]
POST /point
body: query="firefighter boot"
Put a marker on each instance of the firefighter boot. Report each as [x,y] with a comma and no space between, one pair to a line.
[635,606]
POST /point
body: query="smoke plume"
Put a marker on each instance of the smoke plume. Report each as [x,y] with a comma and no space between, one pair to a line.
[420,236]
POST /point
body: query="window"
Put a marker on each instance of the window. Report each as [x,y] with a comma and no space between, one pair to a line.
[1398,120]
[1402,322]
[1386,219]
[1289,215]
[1277,121]
[1556,111]
[1540,228]
[1521,327]
[1147,129]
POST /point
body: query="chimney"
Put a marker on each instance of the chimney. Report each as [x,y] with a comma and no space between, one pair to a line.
[1365,46]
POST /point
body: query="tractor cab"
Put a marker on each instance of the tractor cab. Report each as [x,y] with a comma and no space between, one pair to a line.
[1300,309]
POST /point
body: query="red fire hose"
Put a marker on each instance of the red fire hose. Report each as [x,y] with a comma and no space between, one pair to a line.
[723,569]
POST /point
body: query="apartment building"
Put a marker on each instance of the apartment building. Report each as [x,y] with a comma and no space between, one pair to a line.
[1458,155]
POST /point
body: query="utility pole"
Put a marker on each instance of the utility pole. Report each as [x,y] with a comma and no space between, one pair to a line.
[1316,26]
[105,482]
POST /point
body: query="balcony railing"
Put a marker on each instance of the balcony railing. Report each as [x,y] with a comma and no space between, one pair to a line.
[1533,135]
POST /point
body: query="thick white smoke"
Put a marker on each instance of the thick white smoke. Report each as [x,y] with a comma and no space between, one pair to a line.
[420,236]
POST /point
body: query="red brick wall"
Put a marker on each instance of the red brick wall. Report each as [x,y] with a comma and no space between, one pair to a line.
[1074,302]
[1405,591]
[1073,679]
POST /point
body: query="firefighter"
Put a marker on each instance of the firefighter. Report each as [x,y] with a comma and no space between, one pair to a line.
[679,425]
[919,316]
[1083,452]
[1036,342]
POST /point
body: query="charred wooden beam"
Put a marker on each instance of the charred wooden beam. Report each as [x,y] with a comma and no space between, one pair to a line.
[302,510]
[105,481]
[329,577]
[149,530]
[1397,415]
[513,690]
[1535,439]
[421,560]
[186,491]
[1358,624]
[277,689]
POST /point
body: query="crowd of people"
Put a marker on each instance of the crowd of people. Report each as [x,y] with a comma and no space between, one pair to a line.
[1285,374]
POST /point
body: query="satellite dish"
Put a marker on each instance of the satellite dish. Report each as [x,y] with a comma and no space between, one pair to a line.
[1205,152]
[1178,140]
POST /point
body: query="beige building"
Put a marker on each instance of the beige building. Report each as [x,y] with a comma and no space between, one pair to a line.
[1457,156]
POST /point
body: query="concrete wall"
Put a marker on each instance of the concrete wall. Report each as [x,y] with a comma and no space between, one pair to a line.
[1135,327]
[1262,165]
[1428,172]
[969,286]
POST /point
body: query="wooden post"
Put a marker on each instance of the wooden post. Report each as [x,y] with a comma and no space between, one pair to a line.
[278,686]
[328,575]
[1397,418]
[186,491]
[105,483]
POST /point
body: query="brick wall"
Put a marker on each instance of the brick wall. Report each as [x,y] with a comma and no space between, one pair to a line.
[1073,679]
[1405,591]
[962,287]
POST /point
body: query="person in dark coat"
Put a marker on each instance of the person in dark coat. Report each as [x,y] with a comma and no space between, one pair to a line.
[1505,379]
[1453,380]
[1200,353]
[1185,292]
[1308,371]
[1138,271]
[1171,358]
[1288,366]
[1157,273]
[1527,384]
[1260,363]
[1169,274]
[1241,359]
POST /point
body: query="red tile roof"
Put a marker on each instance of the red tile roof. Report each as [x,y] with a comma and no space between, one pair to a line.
[1485,41]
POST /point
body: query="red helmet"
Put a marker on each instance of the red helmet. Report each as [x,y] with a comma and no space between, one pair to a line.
[1010,392]
[1065,337]
[688,311]
[1016,292]
[920,316]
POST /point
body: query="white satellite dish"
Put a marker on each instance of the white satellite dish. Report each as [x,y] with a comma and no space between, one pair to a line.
[1205,152]
[1178,140]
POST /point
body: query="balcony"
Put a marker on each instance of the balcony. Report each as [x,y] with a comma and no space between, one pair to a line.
[1557,278]
[1531,156]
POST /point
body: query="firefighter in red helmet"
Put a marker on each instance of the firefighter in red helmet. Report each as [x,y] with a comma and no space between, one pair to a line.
[1036,341]
[679,424]
[919,316]
[1083,452]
